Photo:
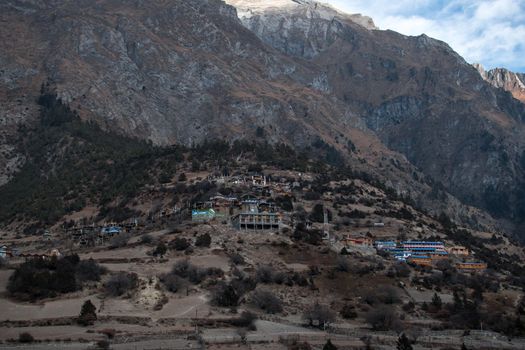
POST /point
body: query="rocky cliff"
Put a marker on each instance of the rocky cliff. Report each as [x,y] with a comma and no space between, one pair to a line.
[505,79]
[419,96]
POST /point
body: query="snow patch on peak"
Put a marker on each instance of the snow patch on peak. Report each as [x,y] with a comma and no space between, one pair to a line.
[311,9]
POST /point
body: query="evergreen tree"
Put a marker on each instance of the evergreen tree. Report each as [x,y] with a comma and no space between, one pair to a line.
[477,294]
[88,314]
[436,301]
[329,345]
[403,343]
[458,303]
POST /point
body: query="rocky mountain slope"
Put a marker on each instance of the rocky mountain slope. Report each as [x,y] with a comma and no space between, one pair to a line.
[420,97]
[406,109]
[506,80]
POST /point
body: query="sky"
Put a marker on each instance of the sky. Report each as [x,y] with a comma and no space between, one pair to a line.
[490,32]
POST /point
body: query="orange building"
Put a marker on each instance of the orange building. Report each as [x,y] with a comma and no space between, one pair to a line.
[367,241]
[421,260]
[471,266]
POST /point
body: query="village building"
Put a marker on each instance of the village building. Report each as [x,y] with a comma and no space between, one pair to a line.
[53,253]
[421,260]
[256,221]
[46,236]
[256,215]
[223,205]
[8,252]
[458,250]
[357,241]
[110,230]
[3,252]
[471,266]
[258,180]
[436,256]
[412,245]
[202,215]
[380,245]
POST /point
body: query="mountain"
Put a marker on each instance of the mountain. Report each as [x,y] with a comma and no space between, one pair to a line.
[506,80]
[409,111]
[419,96]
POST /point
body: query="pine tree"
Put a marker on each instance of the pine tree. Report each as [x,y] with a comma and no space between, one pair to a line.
[329,345]
[458,303]
[436,301]
[403,343]
[88,314]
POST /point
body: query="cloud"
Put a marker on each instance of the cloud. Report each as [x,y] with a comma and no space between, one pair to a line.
[491,32]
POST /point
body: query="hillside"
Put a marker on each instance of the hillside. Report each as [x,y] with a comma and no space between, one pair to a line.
[252,174]
[303,74]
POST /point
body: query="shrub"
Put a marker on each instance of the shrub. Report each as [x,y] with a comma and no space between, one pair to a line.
[180,243]
[436,302]
[402,269]
[25,337]
[342,264]
[300,346]
[264,274]
[103,344]
[317,213]
[119,241]
[89,270]
[348,312]
[146,239]
[383,319]
[180,268]
[160,250]
[121,283]
[196,274]
[225,295]
[403,343]
[42,278]
[171,282]
[285,203]
[203,240]
[279,277]
[314,237]
[267,301]
[88,314]
[244,285]
[246,319]
[312,196]
[237,259]
[388,295]
[319,314]
[193,273]
[329,346]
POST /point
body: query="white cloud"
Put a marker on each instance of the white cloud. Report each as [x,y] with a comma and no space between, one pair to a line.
[491,32]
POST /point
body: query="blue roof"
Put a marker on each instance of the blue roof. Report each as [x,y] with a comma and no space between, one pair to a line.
[422,242]
[420,257]
[111,229]
[385,242]
[472,263]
